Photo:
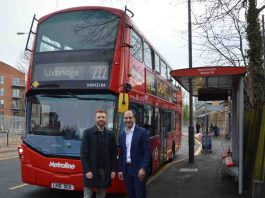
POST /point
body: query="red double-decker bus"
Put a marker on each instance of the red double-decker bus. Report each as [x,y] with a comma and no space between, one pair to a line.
[85,59]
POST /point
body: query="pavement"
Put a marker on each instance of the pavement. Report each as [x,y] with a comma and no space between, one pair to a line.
[207,177]
[8,147]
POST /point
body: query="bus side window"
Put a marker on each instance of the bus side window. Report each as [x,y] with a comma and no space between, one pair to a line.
[157,121]
[169,124]
[147,55]
[173,120]
[149,119]
[157,63]
[137,46]
[138,111]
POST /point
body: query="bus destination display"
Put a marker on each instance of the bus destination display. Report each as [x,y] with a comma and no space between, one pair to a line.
[87,71]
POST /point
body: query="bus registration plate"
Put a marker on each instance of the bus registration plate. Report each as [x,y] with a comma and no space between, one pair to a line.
[62,186]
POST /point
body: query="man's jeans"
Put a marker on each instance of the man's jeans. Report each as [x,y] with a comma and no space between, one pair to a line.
[88,192]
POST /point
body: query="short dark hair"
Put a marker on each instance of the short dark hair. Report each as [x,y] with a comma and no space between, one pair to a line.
[101,111]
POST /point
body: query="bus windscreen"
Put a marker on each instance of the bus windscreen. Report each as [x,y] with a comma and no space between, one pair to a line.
[59,120]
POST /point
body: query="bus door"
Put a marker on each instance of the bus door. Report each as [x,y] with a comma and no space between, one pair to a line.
[163,135]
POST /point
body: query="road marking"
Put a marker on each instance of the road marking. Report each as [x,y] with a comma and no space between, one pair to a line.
[163,169]
[200,147]
[5,158]
[19,186]
[188,170]
[174,162]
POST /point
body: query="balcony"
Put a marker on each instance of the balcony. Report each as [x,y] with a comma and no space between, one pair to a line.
[17,96]
[15,85]
[15,108]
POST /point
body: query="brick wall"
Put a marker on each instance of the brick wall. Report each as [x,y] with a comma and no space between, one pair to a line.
[9,73]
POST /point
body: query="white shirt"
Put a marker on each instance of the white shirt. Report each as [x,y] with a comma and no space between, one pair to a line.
[129,134]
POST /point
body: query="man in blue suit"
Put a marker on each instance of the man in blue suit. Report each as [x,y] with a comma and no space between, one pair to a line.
[134,157]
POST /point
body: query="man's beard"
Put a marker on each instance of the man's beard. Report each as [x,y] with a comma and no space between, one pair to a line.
[101,123]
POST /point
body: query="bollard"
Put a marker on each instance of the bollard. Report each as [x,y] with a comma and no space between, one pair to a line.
[7,136]
[258,189]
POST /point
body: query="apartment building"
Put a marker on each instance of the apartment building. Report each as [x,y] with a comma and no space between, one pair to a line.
[12,89]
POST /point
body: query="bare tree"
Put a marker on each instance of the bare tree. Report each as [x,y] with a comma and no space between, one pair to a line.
[23,62]
[228,32]
[220,30]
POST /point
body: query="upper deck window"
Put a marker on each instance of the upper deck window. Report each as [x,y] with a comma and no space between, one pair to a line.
[147,56]
[157,63]
[78,30]
[137,50]
[163,70]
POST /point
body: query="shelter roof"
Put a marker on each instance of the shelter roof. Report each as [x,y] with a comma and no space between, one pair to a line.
[209,83]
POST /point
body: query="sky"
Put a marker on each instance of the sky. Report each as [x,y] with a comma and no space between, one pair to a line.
[164,23]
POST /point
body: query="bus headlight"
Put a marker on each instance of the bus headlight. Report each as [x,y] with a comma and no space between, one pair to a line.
[20,152]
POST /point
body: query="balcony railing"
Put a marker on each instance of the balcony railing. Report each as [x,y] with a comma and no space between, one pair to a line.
[18,85]
[17,96]
[15,108]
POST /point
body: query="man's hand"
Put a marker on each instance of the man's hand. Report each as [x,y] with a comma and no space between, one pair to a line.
[141,174]
[120,175]
[89,175]
[112,175]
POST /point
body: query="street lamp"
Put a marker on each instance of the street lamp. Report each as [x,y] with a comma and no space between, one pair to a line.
[22,33]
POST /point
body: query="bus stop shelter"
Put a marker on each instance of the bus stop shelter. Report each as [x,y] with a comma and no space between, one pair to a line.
[219,83]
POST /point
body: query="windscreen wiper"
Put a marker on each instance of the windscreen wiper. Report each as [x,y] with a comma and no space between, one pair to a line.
[86,98]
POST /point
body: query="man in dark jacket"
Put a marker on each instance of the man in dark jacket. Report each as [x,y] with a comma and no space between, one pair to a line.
[134,157]
[98,156]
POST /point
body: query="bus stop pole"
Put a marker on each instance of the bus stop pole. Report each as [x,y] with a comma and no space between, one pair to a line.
[7,138]
[241,135]
[191,127]
[263,34]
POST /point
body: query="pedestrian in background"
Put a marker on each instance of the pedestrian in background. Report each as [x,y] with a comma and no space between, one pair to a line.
[216,130]
[134,157]
[198,127]
[98,157]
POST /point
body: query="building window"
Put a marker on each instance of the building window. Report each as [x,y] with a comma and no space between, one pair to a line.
[137,48]
[2,92]
[2,80]
[15,92]
[15,81]
[1,104]
[15,104]
[147,56]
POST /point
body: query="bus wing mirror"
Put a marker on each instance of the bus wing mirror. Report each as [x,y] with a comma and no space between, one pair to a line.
[123,103]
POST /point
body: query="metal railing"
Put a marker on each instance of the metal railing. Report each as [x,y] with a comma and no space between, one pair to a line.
[11,129]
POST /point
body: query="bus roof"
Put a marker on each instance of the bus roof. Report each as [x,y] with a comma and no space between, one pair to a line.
[113,10]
